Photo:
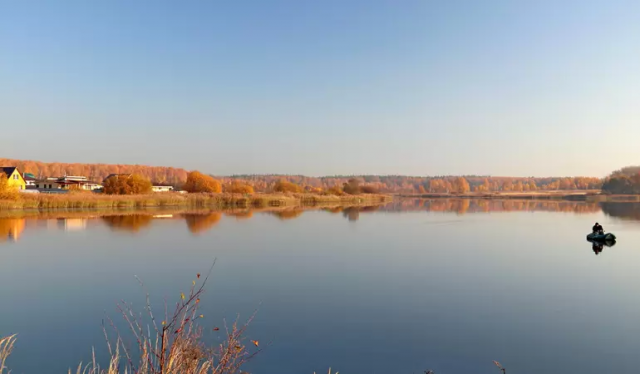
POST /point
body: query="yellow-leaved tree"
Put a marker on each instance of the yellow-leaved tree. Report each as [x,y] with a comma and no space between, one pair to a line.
[7,192]
[198,182]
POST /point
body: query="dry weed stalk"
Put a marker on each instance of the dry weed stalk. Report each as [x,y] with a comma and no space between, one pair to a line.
[6,346]
[173,345]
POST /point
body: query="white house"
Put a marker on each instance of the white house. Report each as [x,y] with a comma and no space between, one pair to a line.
[161,188]
[68,182]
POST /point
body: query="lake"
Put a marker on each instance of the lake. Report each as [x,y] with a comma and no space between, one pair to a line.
[447,285]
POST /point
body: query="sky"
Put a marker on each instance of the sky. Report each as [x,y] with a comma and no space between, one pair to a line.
[412,87]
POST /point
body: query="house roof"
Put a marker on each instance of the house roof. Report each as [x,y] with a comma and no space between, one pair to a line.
[8,170]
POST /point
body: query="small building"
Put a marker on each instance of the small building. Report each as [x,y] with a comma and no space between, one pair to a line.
[29,179]
[14,177]
[70,182]
[161,188]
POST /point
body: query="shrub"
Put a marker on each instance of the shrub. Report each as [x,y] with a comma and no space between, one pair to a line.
[284,186]
[127,185]
[335,190]
[238,187]
[198,182]
[369,189]
[352,187]
[7,192]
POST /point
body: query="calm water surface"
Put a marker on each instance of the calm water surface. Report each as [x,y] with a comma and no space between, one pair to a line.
[447,285]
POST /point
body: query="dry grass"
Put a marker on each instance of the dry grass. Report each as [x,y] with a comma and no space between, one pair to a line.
[6,346]
[223,200]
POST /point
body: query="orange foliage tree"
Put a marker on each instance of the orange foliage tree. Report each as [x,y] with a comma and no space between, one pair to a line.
[198,182]
[127,185]
[237,186]
[284,186]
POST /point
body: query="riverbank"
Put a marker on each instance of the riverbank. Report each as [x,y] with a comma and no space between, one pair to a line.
[582,195]
[166,200]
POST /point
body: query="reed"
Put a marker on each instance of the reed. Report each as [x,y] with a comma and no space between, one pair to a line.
[161,200]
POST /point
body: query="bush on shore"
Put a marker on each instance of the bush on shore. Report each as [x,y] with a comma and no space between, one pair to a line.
[199,183]
[7,192]
[127,185]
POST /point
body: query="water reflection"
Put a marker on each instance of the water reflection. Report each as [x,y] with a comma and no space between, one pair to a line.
[240,215]
[464,206]
[130,222]
[625,211]
[11,228]
[288,213]
[598,246]
[200,223]
[353,213]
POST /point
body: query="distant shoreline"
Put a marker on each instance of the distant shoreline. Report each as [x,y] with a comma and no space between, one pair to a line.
[588,195]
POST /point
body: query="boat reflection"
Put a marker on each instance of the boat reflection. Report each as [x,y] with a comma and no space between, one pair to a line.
[597,246]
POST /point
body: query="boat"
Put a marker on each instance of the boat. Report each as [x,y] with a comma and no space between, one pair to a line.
[601,237]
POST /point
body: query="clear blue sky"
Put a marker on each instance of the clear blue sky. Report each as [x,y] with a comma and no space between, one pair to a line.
[425,87]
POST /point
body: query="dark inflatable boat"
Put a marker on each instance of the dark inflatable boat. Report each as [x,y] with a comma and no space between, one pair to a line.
[601,237]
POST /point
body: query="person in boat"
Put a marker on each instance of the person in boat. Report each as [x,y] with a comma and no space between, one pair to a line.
[598,229]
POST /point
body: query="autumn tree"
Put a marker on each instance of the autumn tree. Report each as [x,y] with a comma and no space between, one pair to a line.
[461,185]
[284,186]
[198,182]
[422,190]
[127,185]
[237,186]
[7,192]
[352,187]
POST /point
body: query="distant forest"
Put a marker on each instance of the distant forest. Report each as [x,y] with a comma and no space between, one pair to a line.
[623,181]
[264,183]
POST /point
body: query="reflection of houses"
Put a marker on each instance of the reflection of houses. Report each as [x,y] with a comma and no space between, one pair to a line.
[14,177]
[161,188]
[70,182]
[72,224]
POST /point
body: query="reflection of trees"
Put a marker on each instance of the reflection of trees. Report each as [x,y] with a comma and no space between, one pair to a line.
[352,214]
[333,210]
[11,228]
[129,222]
[199,223]
[462,206]
[627,211]
[288,214]
[245,214]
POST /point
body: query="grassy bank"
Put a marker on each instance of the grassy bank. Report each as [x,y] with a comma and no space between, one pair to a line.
[165,200]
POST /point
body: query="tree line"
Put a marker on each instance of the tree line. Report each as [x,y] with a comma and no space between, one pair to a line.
[623,181]
[178,178]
